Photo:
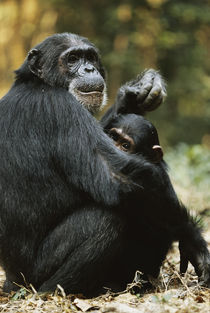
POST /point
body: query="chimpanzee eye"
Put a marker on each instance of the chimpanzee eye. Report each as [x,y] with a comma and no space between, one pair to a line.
[73,58]
[126,145]
[92,57]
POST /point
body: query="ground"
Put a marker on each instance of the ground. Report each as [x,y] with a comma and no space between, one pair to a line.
[172,293]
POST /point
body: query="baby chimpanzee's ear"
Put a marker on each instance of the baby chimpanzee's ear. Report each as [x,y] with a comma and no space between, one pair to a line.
[158,153]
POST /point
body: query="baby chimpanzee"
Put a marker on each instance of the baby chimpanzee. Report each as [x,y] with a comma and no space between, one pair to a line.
[169,218]
[134,134]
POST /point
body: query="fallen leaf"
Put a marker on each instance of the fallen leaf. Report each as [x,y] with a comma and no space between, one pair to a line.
[84,305]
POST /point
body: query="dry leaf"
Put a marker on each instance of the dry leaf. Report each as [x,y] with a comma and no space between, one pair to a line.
[84,305]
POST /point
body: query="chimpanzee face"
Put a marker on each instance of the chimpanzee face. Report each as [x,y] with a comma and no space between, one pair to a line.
[71,62]
[86,82]
[134,134]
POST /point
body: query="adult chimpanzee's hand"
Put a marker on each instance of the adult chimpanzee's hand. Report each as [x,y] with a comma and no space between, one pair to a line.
[143,94]
[200,261]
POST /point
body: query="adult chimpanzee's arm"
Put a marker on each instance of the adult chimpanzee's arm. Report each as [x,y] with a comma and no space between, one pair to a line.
[87,158]
[145,93]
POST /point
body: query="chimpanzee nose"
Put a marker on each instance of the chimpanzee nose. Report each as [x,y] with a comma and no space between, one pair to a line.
[89,68]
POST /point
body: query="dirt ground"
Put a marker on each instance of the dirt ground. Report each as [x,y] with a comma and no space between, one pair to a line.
[172,293]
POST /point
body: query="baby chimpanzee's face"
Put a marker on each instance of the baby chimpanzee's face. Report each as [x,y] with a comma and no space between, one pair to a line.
[134,134]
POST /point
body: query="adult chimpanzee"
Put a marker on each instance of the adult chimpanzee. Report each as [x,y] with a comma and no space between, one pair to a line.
[64,187]
[134,134]
[62,180]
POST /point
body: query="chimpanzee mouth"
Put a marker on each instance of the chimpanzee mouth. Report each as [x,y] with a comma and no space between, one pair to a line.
[93,100]
[91,88]
[87,93]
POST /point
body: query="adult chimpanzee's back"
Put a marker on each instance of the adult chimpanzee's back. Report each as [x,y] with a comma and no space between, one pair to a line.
[64,186]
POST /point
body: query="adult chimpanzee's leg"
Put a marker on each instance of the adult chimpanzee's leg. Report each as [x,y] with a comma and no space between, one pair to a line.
[85,252]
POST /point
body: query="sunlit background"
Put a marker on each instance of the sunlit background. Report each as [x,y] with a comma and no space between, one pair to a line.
[171,36]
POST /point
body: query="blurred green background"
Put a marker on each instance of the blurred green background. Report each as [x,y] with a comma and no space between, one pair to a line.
[171,36]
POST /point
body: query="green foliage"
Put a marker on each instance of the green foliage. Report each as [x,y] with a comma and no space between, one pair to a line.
[190,166]
[20,294]
[165,298]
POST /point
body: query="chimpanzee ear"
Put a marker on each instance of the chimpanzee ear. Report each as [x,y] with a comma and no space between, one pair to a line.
[158,153]
[33,62]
